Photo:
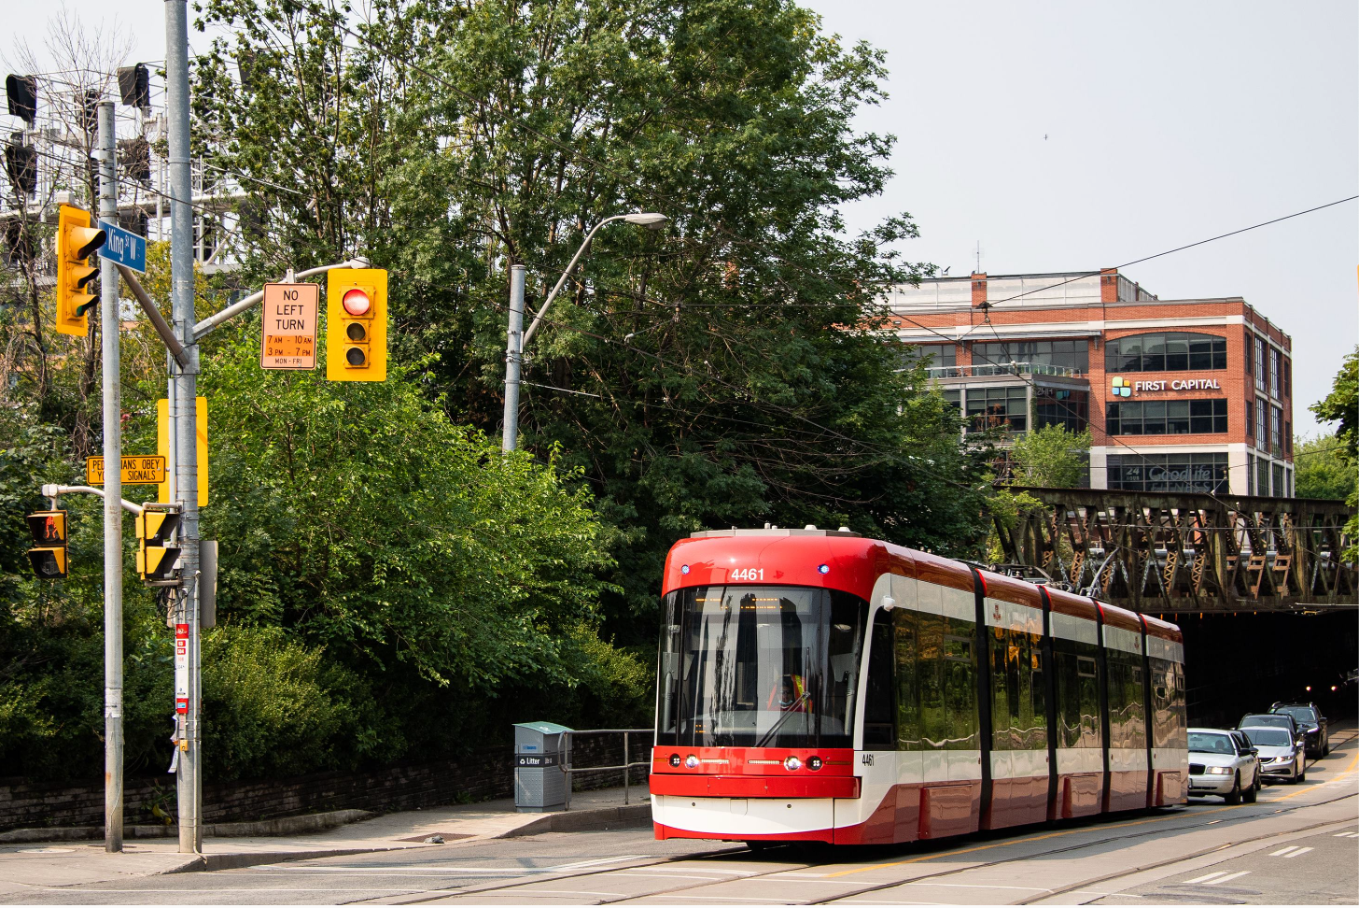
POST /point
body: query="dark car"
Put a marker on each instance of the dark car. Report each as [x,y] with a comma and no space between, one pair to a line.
[1273,720]
[1313,723]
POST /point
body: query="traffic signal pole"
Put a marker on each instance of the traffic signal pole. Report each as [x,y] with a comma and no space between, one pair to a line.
[184,422]
[113,487]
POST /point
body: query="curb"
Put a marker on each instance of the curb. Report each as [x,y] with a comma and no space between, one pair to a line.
[299,825]
[583,820]
[237,860]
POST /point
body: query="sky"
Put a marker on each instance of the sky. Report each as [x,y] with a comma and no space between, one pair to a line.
[1063,136]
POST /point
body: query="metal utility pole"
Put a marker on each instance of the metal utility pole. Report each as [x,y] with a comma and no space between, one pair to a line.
[513,353]
[515,343]
[183,416]
[113,488]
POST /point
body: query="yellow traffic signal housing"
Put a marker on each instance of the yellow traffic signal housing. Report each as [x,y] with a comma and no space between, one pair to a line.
[356,324]
[76,240]
[156,556]
[48,556]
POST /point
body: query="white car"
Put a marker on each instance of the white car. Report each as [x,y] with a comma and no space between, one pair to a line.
[1223,763]
[1281,754]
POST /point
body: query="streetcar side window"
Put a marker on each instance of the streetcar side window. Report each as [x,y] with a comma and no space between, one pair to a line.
[908,684]
[1128,720]
[1019,719]
[1078,693]
[1168,704]
[880,705]
[959,670]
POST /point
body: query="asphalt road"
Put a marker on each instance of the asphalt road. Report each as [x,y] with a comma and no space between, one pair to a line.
[1299,844]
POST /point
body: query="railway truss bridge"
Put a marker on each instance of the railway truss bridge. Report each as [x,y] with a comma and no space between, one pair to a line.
[1184,552]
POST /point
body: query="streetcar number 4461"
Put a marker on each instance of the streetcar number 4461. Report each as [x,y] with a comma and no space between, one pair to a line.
[747,574]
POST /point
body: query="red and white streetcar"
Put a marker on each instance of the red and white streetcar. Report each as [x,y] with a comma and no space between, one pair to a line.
[815,685]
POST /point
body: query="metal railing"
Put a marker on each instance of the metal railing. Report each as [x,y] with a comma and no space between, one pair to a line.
[627,765]
[1003,369]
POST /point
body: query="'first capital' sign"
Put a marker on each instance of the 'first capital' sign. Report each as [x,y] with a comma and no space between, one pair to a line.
[288,324]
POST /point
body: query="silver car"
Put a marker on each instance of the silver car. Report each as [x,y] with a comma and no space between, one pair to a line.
[1223,762]
[1281,754]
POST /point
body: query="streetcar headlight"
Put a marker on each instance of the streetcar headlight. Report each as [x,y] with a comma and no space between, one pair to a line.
[691,761]
[1217,770]
[791,763]
[814,763]
[675,760]
[823,569]
[684,568]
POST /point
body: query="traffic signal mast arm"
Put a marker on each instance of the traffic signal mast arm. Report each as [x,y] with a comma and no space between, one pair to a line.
[53,491]
[157,320]
[212,321]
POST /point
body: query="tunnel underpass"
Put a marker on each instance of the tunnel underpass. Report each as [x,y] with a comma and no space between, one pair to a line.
[1243,662]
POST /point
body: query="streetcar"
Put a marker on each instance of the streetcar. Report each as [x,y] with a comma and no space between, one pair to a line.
[816,685]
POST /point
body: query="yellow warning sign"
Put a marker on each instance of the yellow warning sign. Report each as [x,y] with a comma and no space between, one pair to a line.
[137,471]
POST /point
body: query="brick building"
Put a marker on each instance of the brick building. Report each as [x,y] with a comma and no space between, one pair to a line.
[1180,395]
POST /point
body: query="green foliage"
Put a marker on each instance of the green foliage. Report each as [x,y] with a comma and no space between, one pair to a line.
[1051,457]
[730,368]
[1341,406]
[1323,468]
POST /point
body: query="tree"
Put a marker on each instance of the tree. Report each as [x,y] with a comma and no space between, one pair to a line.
[1340,406]
[728,370]
[1051,457]
[1323,468]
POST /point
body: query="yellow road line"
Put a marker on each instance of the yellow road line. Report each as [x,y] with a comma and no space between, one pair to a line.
[1067,832]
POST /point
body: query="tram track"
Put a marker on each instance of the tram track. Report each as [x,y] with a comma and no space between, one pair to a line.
[1252,812]
[863,890]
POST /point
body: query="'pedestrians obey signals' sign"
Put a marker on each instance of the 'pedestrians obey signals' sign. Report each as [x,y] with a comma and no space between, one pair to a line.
[137,470]
[288,326]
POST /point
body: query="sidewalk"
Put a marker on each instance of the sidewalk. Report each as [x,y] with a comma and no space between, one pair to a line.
[78,862]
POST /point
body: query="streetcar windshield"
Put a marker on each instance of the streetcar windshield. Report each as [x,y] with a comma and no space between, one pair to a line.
[759,666]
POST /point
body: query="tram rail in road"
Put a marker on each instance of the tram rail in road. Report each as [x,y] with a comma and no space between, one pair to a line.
[1207,851]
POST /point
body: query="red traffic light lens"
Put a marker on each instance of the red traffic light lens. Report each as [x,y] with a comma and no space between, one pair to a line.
[356,302]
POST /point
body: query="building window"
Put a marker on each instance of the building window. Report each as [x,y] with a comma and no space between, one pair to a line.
[1063,354]
[991,408]
[1175,351]
[1168,472]
[1061,407]
[1288,438]
[1247,351]
[952,397]
[1262,476]
[934,355]
[1284,374]
[1274,373]
[1261,424]
[1275,446]
[1260,360]
[1277,471]
[1251,473]
[1166,417]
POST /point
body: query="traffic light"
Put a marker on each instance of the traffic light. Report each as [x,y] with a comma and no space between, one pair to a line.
[76,240]
[356,325]
[157,557]
[48,555]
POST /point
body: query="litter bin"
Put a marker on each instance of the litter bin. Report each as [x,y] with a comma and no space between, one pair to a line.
[540,783]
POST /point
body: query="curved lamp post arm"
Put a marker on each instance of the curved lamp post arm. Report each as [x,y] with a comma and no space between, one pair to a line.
[213,321]
[538,317]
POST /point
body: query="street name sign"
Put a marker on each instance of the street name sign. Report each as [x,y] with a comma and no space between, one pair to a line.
[124,247]
[288,324]
[141,470]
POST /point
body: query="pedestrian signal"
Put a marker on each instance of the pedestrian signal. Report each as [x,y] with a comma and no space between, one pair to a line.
[157,555]
[356,324]
[48,555]
[76,240]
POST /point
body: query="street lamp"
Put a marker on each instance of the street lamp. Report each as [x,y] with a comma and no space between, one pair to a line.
[515,344]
